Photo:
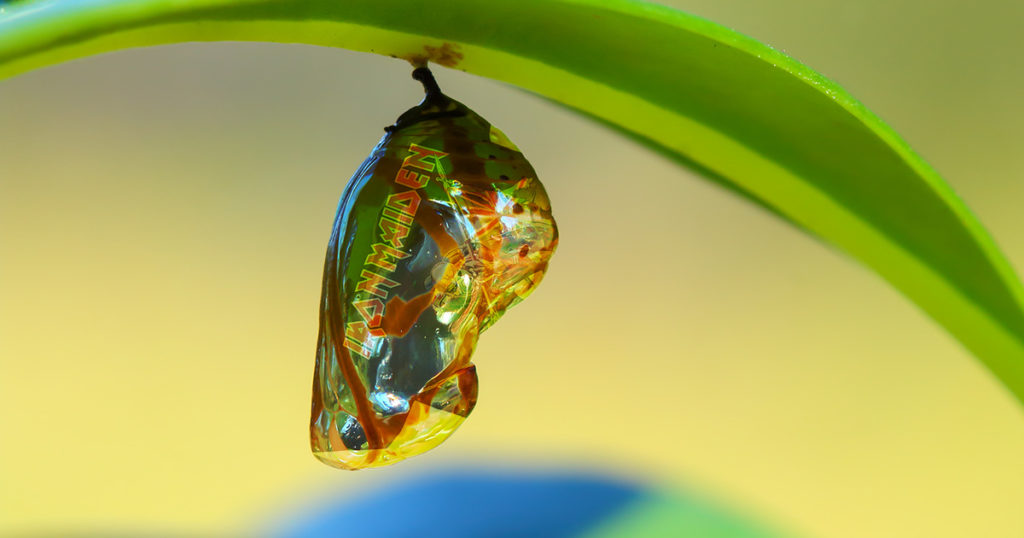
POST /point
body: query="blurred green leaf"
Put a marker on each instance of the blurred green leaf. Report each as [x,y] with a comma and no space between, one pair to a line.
[735,110]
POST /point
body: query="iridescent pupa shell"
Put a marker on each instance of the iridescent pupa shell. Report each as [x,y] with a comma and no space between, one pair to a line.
[443,228]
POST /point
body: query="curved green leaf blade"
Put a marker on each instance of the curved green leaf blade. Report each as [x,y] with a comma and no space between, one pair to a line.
[732,108]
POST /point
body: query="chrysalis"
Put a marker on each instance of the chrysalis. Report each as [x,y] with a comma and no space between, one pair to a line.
[443,228]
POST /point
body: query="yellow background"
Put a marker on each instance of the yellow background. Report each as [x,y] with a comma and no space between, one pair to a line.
[164,214]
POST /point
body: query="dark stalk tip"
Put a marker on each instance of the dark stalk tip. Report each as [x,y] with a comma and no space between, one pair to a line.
[426,78]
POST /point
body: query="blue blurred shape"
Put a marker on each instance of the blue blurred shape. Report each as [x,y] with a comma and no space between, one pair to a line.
[477,503]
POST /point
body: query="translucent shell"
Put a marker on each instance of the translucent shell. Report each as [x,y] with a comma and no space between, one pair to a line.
[443,228]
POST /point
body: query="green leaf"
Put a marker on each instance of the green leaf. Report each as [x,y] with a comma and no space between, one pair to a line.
[733,109]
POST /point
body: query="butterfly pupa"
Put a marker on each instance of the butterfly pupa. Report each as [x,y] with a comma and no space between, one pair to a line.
[441,229]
